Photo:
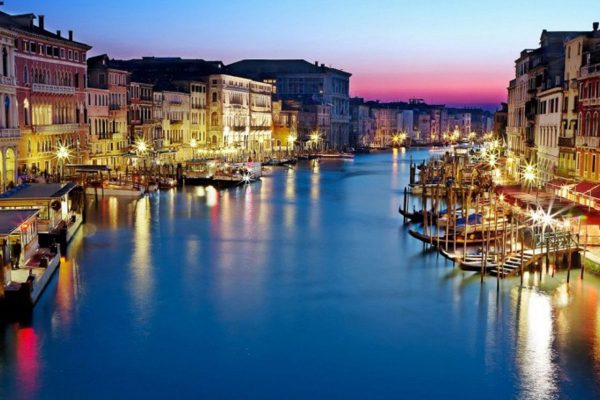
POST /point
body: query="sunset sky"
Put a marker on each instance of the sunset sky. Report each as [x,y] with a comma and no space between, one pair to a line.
[453,52]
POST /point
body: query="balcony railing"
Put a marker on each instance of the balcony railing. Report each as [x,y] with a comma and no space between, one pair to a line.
[566,142]
[54,89]
[10,133]
[56,128]
[589,70]
[7,80]
[587,141]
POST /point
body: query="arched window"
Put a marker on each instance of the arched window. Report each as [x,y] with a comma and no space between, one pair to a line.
[595,126]
[6,112]
[578,128]
[25,75]
[26,112]
[4,61]
[214,119]
[588,126]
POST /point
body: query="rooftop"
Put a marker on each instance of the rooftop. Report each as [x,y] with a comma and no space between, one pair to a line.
[24,23]
[260,69]
[37,191]
[11,220]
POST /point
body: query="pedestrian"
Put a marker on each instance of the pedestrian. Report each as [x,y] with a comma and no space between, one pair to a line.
[16,253]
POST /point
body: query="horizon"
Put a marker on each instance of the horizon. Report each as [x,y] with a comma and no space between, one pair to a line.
[427,64]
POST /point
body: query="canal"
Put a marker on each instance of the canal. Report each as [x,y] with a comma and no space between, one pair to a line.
[303,285]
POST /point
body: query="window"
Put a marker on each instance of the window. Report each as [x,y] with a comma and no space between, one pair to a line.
[55,52]
[62,53]
[214,97]
[25,75]
[48,50]
[70,53]
[76,56]
[33,47]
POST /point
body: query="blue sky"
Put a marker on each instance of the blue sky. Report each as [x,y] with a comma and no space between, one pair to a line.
[444,51]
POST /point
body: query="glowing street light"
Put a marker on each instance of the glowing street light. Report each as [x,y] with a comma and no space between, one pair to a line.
[140,146]
[193,145]
[62,153]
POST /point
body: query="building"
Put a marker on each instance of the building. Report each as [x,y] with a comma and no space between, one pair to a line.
[500,122]
[386,125]
[588,135]
[536,71]
[51,80]
[114,144]
[176,127]
[10,134]
[308,84]
[548,128]
[98,117]
[239,113]
[363,124]
[140,120]
[285,126]
[576,145]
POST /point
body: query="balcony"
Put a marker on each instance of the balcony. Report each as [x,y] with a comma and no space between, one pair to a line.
[587,141]
[53,89]
[56,128]
[588,71]
[566,142]
[7,80]
[10,133]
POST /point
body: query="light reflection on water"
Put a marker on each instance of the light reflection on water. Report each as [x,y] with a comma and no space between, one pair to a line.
[303,285]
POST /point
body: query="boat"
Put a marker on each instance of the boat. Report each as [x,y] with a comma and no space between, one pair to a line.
[430,189]
[166,183]
[280,161]
[200,172]
[459,238]
[230,175]
[114,188]
[25,281]
[61,209]
[336,155]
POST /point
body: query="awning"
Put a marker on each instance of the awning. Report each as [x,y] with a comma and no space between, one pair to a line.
[559,183]
[585,187]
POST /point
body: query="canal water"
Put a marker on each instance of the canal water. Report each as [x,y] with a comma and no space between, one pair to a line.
[305,285]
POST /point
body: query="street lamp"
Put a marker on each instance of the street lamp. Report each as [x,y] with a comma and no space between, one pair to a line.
[314,137]
[193,145]
[261,141]
[290,141]
[62,153]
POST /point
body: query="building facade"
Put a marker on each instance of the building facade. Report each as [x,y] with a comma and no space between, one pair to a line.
[111,147]
[51,82]
[10,133]
[310,85]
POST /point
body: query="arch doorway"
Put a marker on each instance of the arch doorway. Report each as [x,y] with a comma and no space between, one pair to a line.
[9,159]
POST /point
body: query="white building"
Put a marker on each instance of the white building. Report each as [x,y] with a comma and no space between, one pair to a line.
[548,128]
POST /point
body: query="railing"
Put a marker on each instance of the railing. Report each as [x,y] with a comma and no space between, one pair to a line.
[7,80]
[56,128]
[54,89]
[588,70]
[566,142]
[9,133]
[588,141]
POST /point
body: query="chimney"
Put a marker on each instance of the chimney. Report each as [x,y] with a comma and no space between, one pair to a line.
[595,26]
[71,36]
[316,63]
[58,33]
[41,21]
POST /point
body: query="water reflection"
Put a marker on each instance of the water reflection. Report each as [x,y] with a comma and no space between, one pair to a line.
[534,353]
[141,263]
[27,362]
[306,272]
